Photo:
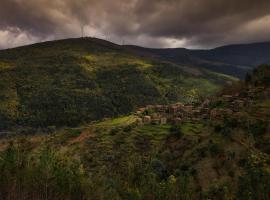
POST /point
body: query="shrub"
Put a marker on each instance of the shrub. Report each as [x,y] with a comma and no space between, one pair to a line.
[113,131]
[258,127]
[176,131]
[51,129]
[159,168]
[148,111]
[215,149]
[26,130]
[73,132]
[128,128]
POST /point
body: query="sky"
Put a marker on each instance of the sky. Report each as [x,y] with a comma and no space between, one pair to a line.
[148,23]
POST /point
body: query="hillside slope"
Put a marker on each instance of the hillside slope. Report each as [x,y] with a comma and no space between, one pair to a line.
[221,154]
[73,81]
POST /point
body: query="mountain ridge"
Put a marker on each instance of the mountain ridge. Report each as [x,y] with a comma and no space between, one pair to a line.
[233,59]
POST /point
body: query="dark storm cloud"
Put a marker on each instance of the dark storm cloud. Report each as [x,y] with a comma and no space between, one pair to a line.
[201,23]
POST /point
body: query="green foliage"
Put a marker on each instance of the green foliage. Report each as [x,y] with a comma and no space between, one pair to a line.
[73,132]
[260,76]
[26,130]
[255,183]
[46,175]
[191,127]
[226,126]
[219,192]
[258,127]
[148,111]
[41,176]
[128,128]
[192,96]
[114,131]
[215,149]
[176,131]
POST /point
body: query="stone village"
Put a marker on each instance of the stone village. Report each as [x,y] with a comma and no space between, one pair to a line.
[214,109]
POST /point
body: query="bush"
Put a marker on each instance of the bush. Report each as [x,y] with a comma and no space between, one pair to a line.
[176,131]
[128,128]
[260,76]
[113,131]
[148,111]
[258,127]
[215,149]
[51,129]
[26,130]
[73,132]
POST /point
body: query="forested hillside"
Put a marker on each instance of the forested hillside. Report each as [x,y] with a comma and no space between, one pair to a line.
[69,82]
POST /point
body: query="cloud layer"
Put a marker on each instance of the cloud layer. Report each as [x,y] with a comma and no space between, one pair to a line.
[152,23]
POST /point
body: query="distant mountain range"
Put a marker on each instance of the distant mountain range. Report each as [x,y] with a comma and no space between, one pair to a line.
[234,60]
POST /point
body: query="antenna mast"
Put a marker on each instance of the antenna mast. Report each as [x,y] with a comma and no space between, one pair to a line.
[82,30]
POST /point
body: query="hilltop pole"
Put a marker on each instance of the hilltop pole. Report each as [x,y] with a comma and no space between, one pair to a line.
[82,30]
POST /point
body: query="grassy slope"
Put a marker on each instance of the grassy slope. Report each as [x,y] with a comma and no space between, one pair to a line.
[78,80]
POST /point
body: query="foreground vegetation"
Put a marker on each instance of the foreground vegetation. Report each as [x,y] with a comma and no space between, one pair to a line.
[222,158]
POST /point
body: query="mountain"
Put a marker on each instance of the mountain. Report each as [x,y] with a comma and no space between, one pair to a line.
[217,149]
[72,81]
[234,60]
[244,54]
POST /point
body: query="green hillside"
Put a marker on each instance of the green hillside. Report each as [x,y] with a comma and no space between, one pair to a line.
[220,155]
[70,82]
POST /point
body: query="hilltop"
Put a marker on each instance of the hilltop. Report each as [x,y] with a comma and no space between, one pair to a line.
[214,149]
[74,81]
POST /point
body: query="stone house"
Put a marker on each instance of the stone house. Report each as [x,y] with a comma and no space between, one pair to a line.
[177,121]
[173,109]
[139,121]
[163,121]
[147,119]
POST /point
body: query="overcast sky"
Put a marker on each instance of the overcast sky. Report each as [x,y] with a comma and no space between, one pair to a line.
[150,23]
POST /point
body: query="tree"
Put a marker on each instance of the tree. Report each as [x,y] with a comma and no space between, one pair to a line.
[192,96]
